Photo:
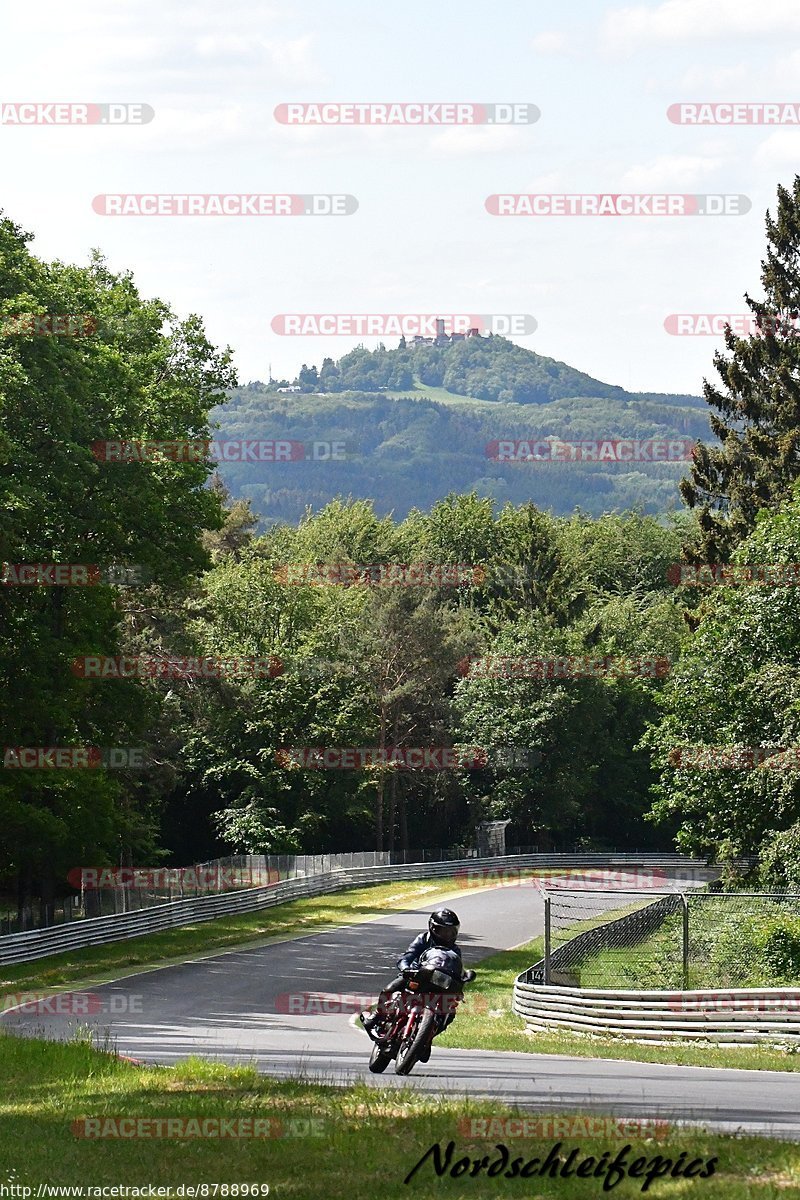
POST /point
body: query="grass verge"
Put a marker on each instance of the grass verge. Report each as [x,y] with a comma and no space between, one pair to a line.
[365,1140]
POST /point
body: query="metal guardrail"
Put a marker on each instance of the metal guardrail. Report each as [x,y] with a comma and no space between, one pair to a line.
[94,931]
[125,889]
[740,1015]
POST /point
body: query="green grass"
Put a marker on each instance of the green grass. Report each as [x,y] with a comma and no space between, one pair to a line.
[655,962]
[440,395]
[296,918]
[370,1138]
[486,1022]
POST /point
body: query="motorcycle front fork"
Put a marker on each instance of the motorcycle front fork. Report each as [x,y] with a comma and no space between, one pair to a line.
[402,1030]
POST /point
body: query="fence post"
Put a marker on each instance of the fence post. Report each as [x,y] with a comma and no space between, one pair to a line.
[547,941]
[685,906]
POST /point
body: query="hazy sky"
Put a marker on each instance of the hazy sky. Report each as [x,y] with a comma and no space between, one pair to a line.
[602,74]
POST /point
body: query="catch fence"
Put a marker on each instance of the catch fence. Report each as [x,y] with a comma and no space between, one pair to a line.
[165,885]
[38,943]
[669,940]
[118,890]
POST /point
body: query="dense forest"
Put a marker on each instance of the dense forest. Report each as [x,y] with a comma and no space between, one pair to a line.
[485,367]
[596,755]
[404,451]
[417,422]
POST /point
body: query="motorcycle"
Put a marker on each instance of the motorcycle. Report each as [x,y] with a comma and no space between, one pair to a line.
[431,993]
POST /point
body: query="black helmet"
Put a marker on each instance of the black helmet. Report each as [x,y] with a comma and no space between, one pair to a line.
[443,926]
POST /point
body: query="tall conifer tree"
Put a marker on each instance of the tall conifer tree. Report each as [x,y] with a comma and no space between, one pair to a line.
[757,403]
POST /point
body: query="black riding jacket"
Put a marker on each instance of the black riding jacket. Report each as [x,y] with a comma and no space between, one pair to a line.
[421,943]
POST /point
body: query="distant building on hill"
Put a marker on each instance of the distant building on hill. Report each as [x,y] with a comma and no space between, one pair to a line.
[442,338]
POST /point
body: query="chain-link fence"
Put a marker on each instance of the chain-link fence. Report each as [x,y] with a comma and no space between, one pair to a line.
[102,892]
[670,940]
[113,890]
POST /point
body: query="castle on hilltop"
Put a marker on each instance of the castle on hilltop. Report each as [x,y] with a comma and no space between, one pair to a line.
[441,338]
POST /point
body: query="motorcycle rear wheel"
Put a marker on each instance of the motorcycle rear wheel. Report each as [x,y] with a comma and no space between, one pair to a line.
[409,1052]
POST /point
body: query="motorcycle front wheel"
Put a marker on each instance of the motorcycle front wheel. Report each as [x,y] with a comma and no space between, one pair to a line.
[410,1050]
[379,1059]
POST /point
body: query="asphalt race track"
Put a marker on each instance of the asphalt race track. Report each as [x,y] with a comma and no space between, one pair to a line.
[265,1006]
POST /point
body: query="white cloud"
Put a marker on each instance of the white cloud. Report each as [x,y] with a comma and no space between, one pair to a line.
[177,129]
[780,152]
[704,79]
[105,66]
[85,17]
[670,172]
[471,139]
[625,29]
[553,181]
[786,70]
[289,59]
[148,45]
[550,43]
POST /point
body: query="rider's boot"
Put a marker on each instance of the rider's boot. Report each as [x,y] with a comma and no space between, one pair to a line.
[374,1023]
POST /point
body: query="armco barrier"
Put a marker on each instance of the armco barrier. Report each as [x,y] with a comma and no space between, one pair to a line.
[743,1015]
[95,931]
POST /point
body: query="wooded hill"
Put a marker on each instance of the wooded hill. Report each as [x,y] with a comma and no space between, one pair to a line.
[410,436]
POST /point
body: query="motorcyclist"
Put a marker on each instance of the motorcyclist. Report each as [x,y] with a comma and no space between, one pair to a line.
[443,928]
